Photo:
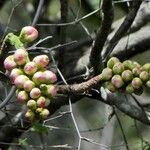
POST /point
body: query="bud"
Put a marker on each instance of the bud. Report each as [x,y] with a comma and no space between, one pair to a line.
[50,77]
[45,113]
[110,87]
[48,90]
[43,102]
[30,68]
[146,67]
[106,74]
[20,80]
[127,75]
[144,75]
[9,63]
[117,81]
[20,56]
[28,85]
[41,61]
[39,78]
[136,83]
[129,88]
[112,61]
[22,96]
[118,68]
[136,71]
[31,104]
[136,64]
[30,115]
[15,73]
[28,34]
[128,64]
[35,93]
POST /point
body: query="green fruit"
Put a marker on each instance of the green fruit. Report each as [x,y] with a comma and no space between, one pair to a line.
[127,75]
[144,75]
[45,113]
[106,74]
[129,88]
[112,61]
[136,71]
[118,68]
[146,67]
[136,83]
[117,81]
[128,64]
[110,87]
[148,84]
[30,115]
[31,104]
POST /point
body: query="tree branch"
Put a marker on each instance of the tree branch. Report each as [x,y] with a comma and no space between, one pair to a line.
[95,56]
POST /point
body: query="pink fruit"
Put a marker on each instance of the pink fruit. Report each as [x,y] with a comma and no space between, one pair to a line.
[15,73]
[28,34]
[35,93]
[9,63]
[28,85]
[41,61]
[22,96]
[30,68]
[20,80]
[136,83]
[50,77]
[45,113]
[20,56]
[43,102]
[39,78]
[117,81]
[31,104]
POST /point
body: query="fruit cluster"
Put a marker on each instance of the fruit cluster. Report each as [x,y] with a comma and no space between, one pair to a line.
[128,76]
[33,81]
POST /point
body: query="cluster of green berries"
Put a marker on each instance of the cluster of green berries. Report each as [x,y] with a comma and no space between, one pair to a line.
[128,76]
[33,81]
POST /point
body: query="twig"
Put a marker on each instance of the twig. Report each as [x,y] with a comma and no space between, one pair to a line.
[95,56]
[122,130]
[73,22]
[38,11]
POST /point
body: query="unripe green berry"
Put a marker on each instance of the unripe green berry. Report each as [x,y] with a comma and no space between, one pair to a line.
[127,75]
[106,74]
[118,68]
[148,84]
[136,83]
[144,75]
[129,88]
[30,115]
[39,110]
[136,64]
[45,113]
[146,67]
[31,104]
[110,87]
[128,64]
[112,61]
[117,81]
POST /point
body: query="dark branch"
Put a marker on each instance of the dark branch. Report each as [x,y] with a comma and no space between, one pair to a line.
[95,56]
